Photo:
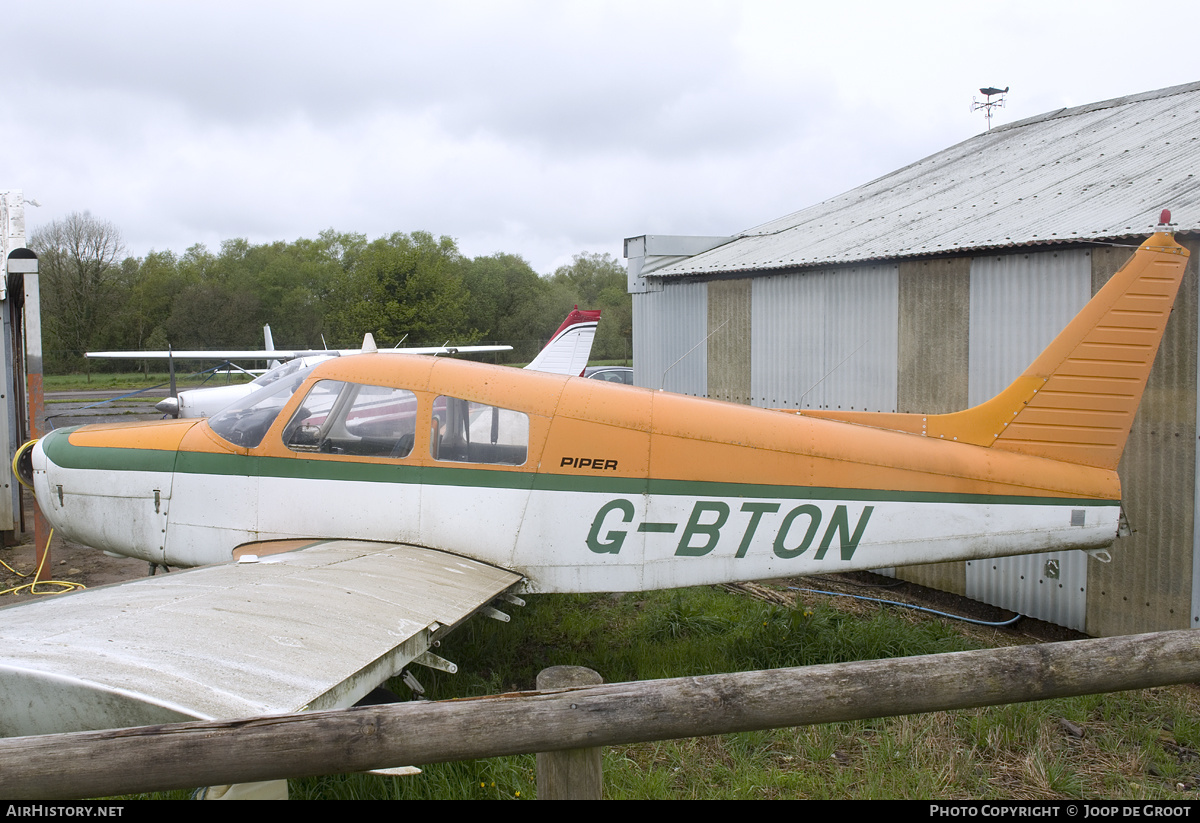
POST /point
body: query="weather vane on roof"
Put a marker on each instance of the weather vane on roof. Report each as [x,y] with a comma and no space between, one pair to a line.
[990,104]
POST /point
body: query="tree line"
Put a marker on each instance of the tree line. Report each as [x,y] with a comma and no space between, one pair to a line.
[327,290]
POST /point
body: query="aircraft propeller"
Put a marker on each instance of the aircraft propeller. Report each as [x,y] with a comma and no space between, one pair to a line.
[170,404]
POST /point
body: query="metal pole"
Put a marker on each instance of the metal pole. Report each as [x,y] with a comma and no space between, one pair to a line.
[25,262]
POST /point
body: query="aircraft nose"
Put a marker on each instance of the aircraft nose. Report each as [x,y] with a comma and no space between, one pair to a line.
[169,405]
[44,472]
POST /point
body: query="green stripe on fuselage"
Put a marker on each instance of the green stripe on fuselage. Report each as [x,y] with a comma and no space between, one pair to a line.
[58,448]
[238,465]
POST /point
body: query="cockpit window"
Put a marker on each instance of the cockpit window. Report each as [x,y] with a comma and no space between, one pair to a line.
[467,432]
[245,422]
[349,418]
[288,369]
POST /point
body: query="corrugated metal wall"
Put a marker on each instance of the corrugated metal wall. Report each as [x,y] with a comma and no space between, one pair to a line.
[937,336]
[934,333]
[826,339]
[666,324]
[1018,304]
[1150,585]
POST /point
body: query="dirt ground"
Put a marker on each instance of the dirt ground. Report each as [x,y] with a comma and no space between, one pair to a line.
[68,561]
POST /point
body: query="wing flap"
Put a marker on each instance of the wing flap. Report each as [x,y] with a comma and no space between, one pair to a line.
[313,628]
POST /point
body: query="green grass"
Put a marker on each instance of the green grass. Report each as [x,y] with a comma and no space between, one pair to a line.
[148,399]
[1135,744]
[132,381]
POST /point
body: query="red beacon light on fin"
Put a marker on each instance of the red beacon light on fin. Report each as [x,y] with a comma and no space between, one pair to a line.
[1164,219]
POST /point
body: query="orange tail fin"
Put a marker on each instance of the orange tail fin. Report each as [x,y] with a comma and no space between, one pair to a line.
[1076,402]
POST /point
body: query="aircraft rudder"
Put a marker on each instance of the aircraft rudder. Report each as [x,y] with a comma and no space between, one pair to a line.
[571,346]
[1076,401]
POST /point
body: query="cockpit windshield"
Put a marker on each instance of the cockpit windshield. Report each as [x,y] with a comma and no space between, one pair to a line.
[246,421]
[289,368]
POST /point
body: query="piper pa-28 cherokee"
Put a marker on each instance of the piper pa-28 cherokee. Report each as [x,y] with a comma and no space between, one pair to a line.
[345,525]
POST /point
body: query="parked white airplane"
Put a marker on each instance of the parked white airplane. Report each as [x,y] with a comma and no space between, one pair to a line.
[566,353]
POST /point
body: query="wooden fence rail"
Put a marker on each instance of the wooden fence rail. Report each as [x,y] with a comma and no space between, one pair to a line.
[153,758]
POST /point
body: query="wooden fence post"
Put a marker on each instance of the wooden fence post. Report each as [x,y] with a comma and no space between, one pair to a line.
[572,774]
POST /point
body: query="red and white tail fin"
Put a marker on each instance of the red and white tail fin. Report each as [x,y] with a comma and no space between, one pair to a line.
[569,348]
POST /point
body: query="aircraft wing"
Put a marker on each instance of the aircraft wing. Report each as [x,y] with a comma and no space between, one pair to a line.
[282,354]
[315,626]
[433,350]
[200,354]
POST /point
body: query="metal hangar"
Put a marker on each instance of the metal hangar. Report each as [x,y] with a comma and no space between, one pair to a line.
[931,288]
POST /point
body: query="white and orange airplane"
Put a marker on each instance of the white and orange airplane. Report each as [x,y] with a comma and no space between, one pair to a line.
[343,525]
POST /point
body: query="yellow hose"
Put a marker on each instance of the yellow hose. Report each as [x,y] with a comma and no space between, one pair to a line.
[67,585]
[16,457]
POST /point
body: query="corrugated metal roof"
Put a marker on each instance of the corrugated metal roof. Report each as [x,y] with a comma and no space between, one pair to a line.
[1098,171]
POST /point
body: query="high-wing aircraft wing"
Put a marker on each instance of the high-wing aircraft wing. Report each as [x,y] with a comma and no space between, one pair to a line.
[567,352]
[282,354]
[316,625]
[276,355]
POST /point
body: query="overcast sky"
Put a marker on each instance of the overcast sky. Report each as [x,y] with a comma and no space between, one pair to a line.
[538,129]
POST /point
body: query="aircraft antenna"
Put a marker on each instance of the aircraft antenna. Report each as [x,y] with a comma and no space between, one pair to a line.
[689,351]
[831,371]
[989,104]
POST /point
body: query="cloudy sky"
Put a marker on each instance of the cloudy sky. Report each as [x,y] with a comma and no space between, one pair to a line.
[542,129]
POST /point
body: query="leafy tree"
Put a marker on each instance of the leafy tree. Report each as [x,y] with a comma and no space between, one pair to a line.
[506,303]
[152,290]
[403,287]
[80,281]
[598,281]
[415,287]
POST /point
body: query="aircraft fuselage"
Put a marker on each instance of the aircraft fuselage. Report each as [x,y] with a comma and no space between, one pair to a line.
[597,487]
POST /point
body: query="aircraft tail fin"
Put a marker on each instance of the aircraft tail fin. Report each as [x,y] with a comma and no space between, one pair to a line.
[569,348]
[1076,402]
[269,345]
